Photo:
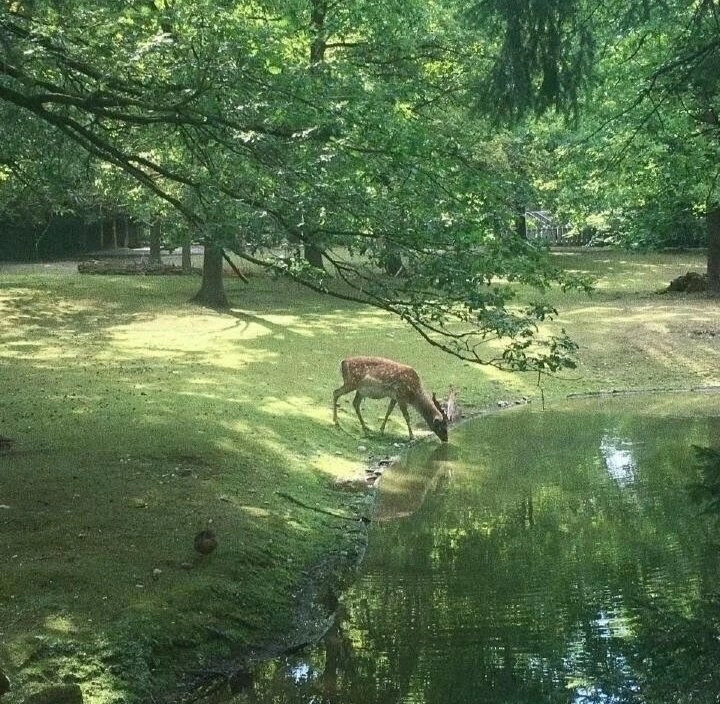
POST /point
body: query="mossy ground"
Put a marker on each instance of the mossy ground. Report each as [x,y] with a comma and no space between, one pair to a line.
[138,416]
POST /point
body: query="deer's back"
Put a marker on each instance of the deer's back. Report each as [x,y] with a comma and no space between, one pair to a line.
[378,377]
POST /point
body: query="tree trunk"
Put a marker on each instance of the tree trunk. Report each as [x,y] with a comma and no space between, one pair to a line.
[311,253]
[318,47]
[126,232]
[313,256]
[114,232]
[187,255]
[212,291]
[521,224]
[155,242]
[392,263]
[712,220]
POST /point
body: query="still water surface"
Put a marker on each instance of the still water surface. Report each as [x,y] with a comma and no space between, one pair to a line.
[540,556]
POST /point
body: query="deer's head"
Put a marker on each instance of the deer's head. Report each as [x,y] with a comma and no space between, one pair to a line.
[439,425]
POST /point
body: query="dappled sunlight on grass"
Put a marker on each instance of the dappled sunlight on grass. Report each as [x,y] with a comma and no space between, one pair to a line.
[170,336]
[617,271]
[296,406]
[139,417]
[255,511]
[335,466]
[59,624]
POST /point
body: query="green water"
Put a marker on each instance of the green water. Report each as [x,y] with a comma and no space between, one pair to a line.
[540,556]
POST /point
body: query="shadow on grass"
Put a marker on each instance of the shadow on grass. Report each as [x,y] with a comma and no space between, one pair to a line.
[138,421]
[101,584]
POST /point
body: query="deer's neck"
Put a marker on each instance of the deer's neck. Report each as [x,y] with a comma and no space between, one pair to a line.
[425,407]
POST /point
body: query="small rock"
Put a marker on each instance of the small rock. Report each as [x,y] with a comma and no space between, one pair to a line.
[156,573]
[692,282]
[362,448]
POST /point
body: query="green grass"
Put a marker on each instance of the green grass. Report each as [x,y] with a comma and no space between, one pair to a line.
[138,417]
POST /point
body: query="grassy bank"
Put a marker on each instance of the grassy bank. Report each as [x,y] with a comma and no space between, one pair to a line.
[138,417]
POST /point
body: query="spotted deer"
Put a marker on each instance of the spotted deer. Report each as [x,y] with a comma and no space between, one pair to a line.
[375,377]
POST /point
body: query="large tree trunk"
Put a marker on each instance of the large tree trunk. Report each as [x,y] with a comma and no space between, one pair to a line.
[187,255]
[712,220]
[155,242]
[318,47]
[313,256]
[212,291]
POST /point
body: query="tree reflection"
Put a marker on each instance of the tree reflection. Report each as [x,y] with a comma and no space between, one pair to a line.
[535,575]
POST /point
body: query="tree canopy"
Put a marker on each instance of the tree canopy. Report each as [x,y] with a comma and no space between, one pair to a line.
[340,144]
[275,129]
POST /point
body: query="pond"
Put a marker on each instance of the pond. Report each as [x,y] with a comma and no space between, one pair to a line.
[540,556]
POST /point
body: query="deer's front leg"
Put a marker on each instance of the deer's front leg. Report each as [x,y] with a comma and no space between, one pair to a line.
[356,405]
[387,415]
[406,416]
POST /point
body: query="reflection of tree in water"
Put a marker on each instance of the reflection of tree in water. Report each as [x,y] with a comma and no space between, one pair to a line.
[559,555]
[684,666]
[707,490]
[534,576]
[678,653]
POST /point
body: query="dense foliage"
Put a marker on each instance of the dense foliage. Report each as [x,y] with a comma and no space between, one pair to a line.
[324,142]
[360,150]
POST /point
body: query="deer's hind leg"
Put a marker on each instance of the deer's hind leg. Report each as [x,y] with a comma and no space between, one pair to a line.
[387,415]
[356,405]
[344,389]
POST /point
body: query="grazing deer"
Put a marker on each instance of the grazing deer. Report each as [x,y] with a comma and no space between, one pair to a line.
[376,377]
